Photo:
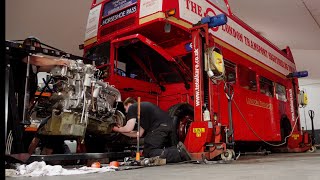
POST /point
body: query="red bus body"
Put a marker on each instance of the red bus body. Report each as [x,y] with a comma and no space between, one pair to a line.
[132,31]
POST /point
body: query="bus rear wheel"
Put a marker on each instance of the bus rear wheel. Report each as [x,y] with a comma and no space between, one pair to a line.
[182,115]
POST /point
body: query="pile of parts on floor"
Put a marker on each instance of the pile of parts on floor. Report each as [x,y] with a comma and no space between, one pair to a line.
[42,169]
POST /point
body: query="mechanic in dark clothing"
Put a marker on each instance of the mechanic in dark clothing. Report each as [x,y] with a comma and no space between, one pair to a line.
[156,126]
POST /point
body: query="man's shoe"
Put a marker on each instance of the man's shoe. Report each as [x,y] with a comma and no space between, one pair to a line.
[185,155]
[153,161]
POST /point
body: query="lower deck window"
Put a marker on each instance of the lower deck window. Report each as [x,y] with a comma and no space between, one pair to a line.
[266,86]
[247,78]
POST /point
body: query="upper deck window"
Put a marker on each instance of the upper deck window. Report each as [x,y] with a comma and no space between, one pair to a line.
[220,4]
[98,1]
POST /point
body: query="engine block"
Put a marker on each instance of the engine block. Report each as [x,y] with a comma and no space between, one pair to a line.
[81,103]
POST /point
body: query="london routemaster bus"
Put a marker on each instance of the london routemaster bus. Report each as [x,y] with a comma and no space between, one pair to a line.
[145,49]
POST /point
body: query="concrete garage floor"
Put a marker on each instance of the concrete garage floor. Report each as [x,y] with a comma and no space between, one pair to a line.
[288,166]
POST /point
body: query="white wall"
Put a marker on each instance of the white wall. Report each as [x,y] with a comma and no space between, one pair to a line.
[309,60]
[313,92]
[58,23]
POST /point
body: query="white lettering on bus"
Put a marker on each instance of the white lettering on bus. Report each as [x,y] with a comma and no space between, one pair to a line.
[197,76]
[230,30]
[291,104]
[192,11]
[259,103]
[119,15]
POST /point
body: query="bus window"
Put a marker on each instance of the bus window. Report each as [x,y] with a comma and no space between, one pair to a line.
[220,4]
[247,78]
[99,54]
[98,1]
[140,61]
[128,67]
[230,71]
[281,92]
[266,86]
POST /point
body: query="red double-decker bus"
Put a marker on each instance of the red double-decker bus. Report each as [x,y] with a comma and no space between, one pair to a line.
[149,49]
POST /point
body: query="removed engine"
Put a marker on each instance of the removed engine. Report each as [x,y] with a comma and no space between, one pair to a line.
[81,103]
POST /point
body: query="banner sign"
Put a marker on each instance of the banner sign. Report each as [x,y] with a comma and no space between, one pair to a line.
[92,23]
[119,15]
[114,6]
[148,7]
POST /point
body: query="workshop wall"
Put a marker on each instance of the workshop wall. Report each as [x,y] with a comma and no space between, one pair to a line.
[58,23]
[311,84]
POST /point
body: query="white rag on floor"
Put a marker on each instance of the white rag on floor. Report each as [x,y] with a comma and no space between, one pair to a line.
[41,169]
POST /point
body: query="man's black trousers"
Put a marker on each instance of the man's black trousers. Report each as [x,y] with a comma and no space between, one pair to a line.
[159,142]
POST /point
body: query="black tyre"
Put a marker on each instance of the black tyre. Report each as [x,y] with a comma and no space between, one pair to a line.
[182,115]
[285,127]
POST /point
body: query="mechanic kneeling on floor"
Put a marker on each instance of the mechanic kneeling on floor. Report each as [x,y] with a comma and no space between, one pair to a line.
[156,126]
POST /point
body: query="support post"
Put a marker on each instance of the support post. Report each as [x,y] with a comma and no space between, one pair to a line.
[197,56]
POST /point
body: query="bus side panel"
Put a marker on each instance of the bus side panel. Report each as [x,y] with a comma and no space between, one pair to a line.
[253,117]
[175,94]
[129,87]
[259,117]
